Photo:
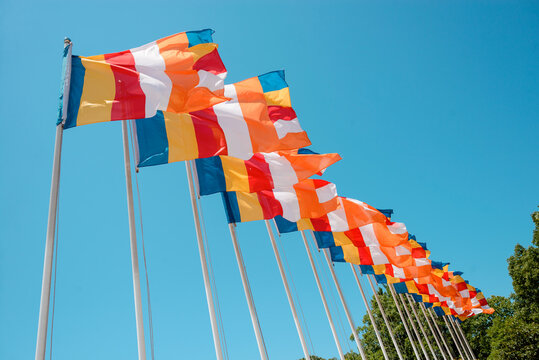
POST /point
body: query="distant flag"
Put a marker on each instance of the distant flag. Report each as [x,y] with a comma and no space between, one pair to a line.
[258,118]
[310,197]
[263,171]
[178,73]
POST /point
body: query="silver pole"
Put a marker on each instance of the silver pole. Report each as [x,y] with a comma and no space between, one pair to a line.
[345,305]
[465,340]
[287,290]
[43,322]
[422,307]
[464,350]
[248,295]
[323,297]
[133,243]
[378,336]
[204,265]
[421,326]
[404,322]
[454,339]
[440,334]
[388,326]
[414,327]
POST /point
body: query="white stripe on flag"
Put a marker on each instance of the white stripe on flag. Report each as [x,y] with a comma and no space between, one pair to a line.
[398,272]
[285,127]
[378,257]
[337,220]
[230,118]
[154,82]
[289,203]
[282,172]
[401,250]
[397,228]
[210,80]
[369,237]
[326,192]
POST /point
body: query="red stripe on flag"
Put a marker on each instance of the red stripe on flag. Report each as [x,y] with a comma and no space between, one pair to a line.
[258,173]
[281,113]
[210,137]
[210,62]
[356,237]
[419,253]
[271,207]
[389,270]
[321,223]
[129,100]
[365,257]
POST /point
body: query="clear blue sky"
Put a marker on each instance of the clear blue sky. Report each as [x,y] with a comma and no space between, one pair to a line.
[433,106]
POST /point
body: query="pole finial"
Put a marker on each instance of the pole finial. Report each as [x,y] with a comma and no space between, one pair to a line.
[67,40]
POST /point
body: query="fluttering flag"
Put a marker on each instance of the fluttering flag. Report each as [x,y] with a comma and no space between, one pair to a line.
[310,197]
[263,171]
[258,119]
[177,74]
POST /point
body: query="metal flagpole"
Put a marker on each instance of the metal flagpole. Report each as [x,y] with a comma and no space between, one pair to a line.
[388,326]
[465,340]
[248,295]
[287,290]
[422,307]
[204,264]
[449,352]
[133,243]
[404,322]
[464,350]
[378,336]
[323,296]
[414,327]
[43,322]
[345,306]
[454,339]
[421,326]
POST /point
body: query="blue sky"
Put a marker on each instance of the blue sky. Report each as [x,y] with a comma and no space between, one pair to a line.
[432,105]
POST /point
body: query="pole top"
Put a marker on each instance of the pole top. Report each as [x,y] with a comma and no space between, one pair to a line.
[67,40]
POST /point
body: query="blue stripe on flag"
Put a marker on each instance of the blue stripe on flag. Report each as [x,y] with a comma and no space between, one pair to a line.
[230,202]
[324,239]
[380,279]
[337,254]
[367,269]
[152,140]
[211,178]
[75,92]
[439,311]
[284,225]
[200,37]
[401,288]
[272,81]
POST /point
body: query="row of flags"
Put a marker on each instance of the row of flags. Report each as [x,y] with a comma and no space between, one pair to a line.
[249,146]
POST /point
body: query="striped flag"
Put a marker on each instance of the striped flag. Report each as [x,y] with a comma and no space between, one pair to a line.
[176,74]
[258,118]
[310,197]
[263,171]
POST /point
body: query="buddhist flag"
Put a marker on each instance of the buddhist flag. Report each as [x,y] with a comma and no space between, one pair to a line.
[258,118]
[175,74]
[307,198]
[263,171]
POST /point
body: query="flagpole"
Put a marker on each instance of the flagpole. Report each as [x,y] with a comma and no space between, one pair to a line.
[43,322]
[344,304]
[422,307]
[323,296]
[459,337]
[388,326]
[247,289]
[465,340]
[133,243]
[449,352]
[414,327]
[204,265]
[453,337]
[287,290]
[421,326]
[404,322]
[378,336]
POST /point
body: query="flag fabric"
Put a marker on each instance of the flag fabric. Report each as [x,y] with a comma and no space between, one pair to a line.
[263,171]
[175,74]
[258,118]
[307,198]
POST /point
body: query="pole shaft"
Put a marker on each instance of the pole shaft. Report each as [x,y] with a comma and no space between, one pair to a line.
[345,305]
[133,243]
[459,338]
[414,327]
[248,295]
[322,296]
[422,307]
[421,326]
[404,322]
[204,265]
[375,327]
[288,293]
[465,340]
[449,352]
[386,321]
[457,344]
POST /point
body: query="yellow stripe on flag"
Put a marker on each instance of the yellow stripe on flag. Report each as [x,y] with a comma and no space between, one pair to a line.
[278,97]
[99,85]
[250,209]
[235,174]
[182,141]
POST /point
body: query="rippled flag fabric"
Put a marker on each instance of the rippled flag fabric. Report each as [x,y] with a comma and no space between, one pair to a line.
[306,198]
[258,118]
[263,171]
[177,74]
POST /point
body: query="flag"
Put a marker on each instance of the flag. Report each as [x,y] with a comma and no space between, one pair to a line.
[310,197]
[175,74]
[263,171]
[258,118]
